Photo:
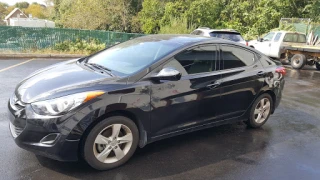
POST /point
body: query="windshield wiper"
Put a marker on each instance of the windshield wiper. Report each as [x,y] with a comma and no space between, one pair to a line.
[100,67]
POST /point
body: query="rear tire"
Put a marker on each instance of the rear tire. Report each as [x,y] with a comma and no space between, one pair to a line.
[260,111]
[318,66]
[298,61]
[110,143]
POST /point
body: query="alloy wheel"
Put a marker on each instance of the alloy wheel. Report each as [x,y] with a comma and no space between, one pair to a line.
[262,110]
[112,143]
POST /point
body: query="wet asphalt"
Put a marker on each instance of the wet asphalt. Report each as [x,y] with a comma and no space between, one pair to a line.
[286,147]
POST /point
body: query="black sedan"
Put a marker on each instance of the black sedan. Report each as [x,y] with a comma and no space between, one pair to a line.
[102,107]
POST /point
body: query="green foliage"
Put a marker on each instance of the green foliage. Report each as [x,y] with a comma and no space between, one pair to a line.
[204,13]
[80,46]
[3,10]
[22,5]
[250,17]
[150,15]
[116,15]
[313,9]
[176,25]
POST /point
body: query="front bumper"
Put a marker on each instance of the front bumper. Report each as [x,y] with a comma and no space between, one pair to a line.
[29,134]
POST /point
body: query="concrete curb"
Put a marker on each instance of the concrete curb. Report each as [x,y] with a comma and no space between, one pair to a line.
[27,55]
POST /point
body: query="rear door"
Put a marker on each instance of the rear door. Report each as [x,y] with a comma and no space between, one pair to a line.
[242,79]
[190,101]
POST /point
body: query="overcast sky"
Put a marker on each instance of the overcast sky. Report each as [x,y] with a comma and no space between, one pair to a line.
[12,2]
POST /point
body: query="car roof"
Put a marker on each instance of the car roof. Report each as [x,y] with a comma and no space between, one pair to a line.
[186,40]
[205,29]
[182,39]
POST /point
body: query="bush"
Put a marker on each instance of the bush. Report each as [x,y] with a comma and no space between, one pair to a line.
[80,46]
[177,25]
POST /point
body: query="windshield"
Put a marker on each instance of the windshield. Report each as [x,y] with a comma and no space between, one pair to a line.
[236,37]
[131,56]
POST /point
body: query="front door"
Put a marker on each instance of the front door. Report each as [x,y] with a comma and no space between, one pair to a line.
[191,101]
[265,45]
[242,79]
[275,46]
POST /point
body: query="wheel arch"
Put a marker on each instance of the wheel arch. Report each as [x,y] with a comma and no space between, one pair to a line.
[125,113]
[273,96]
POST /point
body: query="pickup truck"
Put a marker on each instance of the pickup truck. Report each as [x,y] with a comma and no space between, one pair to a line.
[272,43]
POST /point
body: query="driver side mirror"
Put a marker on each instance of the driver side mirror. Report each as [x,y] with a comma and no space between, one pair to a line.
[167,73]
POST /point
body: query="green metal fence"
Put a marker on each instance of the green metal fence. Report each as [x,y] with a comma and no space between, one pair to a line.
[302,25]
[24,38]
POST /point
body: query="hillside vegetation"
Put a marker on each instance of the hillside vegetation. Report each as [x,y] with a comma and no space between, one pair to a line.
[250,17]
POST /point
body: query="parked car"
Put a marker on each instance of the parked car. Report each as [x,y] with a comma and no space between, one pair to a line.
[228,34]
[271,44]
[101,107]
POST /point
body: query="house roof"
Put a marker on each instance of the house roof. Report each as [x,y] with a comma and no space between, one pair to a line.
[12,12]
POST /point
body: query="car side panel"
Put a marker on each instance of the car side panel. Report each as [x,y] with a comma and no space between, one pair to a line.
[240,87]
[133,101]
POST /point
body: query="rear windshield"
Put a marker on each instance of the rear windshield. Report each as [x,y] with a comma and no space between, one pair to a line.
[236,37]
[296,38]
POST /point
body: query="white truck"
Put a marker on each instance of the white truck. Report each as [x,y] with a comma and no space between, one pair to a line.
[271,43]
[289,47]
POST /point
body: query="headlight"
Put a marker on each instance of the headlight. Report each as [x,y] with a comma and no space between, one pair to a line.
[58,106]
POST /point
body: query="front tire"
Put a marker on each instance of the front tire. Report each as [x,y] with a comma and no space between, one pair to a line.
[110,143]
[298,61]
[260,111]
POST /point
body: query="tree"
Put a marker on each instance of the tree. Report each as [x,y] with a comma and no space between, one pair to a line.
[151,15]
[22,5]
[36,10]
[84,14]
[9,9]
[3,10]
[313,10]
[250,17]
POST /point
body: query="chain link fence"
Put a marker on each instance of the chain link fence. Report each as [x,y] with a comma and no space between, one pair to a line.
[303,25]
[15,38]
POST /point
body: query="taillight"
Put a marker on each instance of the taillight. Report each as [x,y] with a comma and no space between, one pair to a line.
[247,44]
[281,70]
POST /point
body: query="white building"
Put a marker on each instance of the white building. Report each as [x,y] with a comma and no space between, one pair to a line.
[31,22]
[17,18]
[16,13]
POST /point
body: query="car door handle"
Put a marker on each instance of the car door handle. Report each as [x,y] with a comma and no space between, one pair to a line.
[261,73]
[214,85]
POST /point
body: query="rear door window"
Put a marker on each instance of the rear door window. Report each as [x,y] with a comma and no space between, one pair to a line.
[235,57]
[198,60]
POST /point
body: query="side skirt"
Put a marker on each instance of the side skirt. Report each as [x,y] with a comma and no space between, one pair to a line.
[196,128]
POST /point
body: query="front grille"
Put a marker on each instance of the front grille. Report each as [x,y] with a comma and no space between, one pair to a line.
[15,131]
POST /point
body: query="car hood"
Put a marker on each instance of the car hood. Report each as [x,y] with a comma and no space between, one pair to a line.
[59,80]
